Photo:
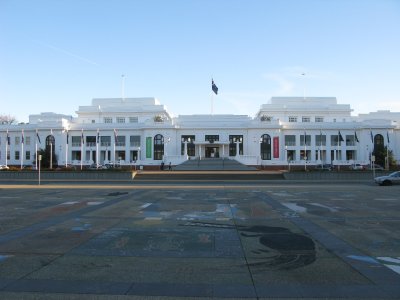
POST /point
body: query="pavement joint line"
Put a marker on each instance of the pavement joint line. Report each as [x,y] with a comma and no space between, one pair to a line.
[380,276]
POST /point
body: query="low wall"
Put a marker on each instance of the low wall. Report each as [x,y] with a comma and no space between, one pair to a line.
[71,175]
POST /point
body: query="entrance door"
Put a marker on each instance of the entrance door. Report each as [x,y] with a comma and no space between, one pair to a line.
[212,152]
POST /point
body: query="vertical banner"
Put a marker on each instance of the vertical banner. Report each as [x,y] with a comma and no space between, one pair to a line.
[148,147]
[276,147]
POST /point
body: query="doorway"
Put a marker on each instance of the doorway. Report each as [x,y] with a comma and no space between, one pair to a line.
[212,152]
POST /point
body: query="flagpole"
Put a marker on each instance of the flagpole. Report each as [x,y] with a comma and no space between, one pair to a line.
[212,103]
[22,150]
[66,151]
[51,149]
[8,139]
[36,160]
[82,140]
[97,149]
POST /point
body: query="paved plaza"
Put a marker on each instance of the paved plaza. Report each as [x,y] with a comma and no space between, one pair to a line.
[238,241]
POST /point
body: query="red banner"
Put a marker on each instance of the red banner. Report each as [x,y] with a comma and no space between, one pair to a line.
[276,147]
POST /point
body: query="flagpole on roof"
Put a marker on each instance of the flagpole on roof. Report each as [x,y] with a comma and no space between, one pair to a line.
[22,150]
[123,88]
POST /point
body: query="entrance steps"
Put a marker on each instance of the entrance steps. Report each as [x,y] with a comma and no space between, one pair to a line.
[213,164]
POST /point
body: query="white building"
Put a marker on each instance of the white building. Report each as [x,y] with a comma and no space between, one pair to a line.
[286,131]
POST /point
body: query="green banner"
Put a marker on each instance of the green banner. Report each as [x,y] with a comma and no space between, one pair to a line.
[148,147]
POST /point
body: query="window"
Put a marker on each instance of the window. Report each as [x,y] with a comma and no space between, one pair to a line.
[212,138]
[17,140]
[233,139]
[105,141]
[305,140]
[120,120]
[28,155]
[319,119]
[290,140]
[76,141]
[190,145]
[334,120]
[265,147]
[334,140]
[90,141]
[378,140]
[108,120]
[134,140]
[93,121]
[292,119]
[27,140]
[16,155]
[158,147]
[306,119]
[320,140]
[120,140]
[350,140]
[133,119]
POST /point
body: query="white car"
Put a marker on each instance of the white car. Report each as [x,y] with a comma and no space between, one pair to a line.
[388,179]
[4,167]
[357,167]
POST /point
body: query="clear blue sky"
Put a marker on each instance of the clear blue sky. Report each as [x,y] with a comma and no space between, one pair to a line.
[57,55]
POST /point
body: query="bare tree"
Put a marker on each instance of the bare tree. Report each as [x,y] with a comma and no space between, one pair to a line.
[7,120]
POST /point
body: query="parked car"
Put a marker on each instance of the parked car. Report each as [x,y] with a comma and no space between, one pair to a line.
[357,167]
[4,167]
[388,179]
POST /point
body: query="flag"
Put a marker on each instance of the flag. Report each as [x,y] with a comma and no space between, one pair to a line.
[387,135]
[340,137]
[372,137]
[214,87]
[67,137]
[82,138]
[22,138]
[8,139]
[98,136]
[37,136]
[355,137]
[115,135]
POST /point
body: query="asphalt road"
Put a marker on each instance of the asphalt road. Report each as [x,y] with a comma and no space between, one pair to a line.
[228,240]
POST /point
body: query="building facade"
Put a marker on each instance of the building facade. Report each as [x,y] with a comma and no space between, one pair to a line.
[287,131]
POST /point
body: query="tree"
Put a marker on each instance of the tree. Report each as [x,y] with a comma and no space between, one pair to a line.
[380,152]
[7,120]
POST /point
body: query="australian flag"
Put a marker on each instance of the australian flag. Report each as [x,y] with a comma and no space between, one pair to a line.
[355,137]
[340,137]
[214,87]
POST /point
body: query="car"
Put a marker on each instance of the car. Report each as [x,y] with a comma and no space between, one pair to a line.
[388,179]
[4,167]
[357,167]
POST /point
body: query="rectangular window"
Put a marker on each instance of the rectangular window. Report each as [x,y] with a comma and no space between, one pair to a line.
[306,119]
[290,140]
[27,140]
[320,140]
[191,149]
[8,155]
[350,141]
[108,120]
[28,155]
[292,119]
[120,140]
[17,140]
[305,140]
[120,119]
[212,138]
[319,119]
[90,141]
[76,141]
[334,140]
[233,139]
[105,141]
[134,140]
[16,155]
[133,119]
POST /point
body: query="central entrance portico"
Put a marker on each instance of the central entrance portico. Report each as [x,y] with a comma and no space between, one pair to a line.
[212,152]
